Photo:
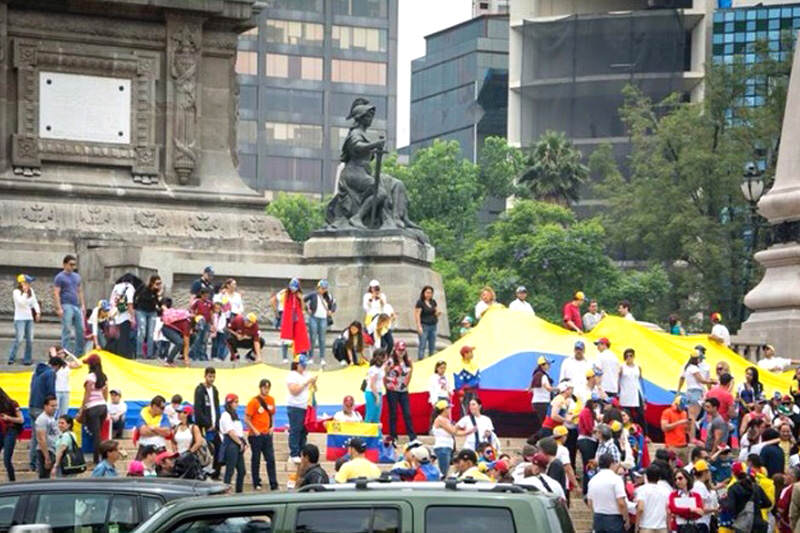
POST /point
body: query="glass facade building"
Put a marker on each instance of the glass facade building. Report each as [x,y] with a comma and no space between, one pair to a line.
[299,71]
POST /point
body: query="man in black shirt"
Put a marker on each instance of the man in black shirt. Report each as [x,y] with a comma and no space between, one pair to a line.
[205,281]
[206,409]
[771,454]
[555,469]
[313,474]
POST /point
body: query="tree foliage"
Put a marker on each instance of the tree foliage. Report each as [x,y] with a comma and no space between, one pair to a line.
[554,170]
[299,214]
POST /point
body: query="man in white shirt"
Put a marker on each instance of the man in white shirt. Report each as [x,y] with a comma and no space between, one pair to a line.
[116,412]
[592,316]
[624,310]
[775,364]
[719,333]
[609,364]
[535,477]
[574,368]
[607,500]
[348,414]
[651,503]
[521,303]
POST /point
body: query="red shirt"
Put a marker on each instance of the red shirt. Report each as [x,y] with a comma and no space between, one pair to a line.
[725,399]
[237,324]
[586,422]
[203,308]
[572,313]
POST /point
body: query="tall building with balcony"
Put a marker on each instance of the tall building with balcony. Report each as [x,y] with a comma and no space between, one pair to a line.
[570,60]
[299,71]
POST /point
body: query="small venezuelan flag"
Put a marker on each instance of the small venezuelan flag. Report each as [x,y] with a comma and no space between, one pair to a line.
[340,432]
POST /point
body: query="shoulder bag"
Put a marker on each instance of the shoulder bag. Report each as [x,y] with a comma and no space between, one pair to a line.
[73,462]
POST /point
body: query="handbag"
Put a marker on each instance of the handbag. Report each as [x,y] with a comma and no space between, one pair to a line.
[745,519]
[73,462]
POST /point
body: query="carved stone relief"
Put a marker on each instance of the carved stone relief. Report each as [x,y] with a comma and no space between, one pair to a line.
[184,42]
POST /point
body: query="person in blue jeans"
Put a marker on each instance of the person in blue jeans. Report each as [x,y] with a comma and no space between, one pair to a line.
[373,392]
[70,304]
[426,315]
[10,425]
[299,385]
[147,307]
[26,310]
[321,306]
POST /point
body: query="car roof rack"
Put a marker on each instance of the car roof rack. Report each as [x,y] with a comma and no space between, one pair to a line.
[448,484]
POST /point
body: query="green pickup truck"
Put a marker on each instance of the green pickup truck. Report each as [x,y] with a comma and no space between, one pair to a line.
[370,507]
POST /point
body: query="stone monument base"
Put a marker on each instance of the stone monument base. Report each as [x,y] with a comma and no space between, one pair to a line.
[398,261]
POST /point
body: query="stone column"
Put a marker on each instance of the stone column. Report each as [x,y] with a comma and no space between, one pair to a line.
[775,301]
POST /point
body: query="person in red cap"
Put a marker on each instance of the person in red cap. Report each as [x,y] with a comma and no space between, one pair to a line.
[468,379]
[348,412]
[535,476]
[165,463]
[186,435]
[396,380]
[234,444]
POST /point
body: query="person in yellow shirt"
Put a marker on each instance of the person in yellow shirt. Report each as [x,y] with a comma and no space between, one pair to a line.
[466,463]
[358,466]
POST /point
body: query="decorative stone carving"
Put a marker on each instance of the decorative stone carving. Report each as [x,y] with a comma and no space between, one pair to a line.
[38,214]
[148,220]
[88,27]
[219,41]
[203,224]
[261,228]
[184,58]
[95,216]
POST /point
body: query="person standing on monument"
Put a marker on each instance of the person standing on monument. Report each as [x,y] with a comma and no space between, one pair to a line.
[719,332]
[123,315]
[293,323]
[321,305]
[70,304]
[426,313]
[572,312]
[205,281]
[26,311]
[147,305]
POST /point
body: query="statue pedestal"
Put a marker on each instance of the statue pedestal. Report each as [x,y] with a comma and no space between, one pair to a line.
[399,262]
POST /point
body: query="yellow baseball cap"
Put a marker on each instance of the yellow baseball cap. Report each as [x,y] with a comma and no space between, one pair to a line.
[700,466]
[560,431]
[251,317]
[590,373]
[542,360]
[616,425]
[579,295]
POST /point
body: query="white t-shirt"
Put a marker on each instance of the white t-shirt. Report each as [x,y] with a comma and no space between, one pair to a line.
[655,498]
[237,306]
[775,364]
[375,379]
[562,454]
[172,415]
[604,490]
[439,387]
[709,500]
[485,428]
[322,307]
[629,386]
[119,291]
[115,410]
[722,332]
[520,305]
[294,400]
[691,380]
[480,308]
[227,423]
[610,365]
[553,486]
[210,395]
[374,306]
[62,379]
[355,416]
[575,371]
[629,316]
[23,305]
[540,394]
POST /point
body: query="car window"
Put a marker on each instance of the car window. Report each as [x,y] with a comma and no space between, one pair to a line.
[73,513]
[252,523]
[353,520]
[151,505]
[7,506]
[446,519]
[123,516]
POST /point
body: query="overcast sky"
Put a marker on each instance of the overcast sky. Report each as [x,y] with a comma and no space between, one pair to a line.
[416,19]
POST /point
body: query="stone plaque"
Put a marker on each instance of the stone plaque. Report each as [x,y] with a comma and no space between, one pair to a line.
[84,108]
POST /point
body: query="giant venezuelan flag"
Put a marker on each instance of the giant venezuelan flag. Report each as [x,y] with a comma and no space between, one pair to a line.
[507,344]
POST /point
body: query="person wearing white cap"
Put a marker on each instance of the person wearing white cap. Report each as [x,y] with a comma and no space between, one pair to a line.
[775,364]
[373,301]
[521,303]
[26,311]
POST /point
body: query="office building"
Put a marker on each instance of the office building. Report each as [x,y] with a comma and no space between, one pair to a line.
[459,89]
[299,71]
[489,7]
[569,62]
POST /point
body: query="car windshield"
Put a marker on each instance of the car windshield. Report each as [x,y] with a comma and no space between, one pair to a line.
[144,526]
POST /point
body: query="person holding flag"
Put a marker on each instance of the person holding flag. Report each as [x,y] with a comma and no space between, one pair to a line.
[468,379]
[293,324]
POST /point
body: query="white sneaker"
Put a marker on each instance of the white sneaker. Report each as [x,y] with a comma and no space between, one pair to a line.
[342,363]
[295,460]
[285,360]
[322,363]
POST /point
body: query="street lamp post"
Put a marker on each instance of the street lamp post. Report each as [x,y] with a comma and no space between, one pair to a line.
[752,188]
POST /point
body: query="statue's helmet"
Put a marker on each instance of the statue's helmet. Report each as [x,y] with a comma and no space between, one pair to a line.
[360,107]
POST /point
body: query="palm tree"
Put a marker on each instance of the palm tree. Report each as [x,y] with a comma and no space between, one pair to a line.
[554,170]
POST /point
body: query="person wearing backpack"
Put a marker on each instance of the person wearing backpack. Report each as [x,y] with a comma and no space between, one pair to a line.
[69,456]
[745,500]
[123,315]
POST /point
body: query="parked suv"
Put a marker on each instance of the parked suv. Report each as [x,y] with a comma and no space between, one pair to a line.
[96,505]
[376,506]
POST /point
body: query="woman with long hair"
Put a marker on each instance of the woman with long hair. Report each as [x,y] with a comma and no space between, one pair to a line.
[147,307]
[631,395]
[426,315]
[26,312]
[440,385]
[373,388]
[695,390]
[231,298]
[541,388]
[685,506]
[675,327]
[444,433]
[486,302]
[749,390]
[234,443]
[93,407]
[396,379]
[186,434]
[354,343]
[65,442]
[10,425]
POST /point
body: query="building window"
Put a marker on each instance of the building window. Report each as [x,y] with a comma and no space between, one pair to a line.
[361,8]
[294,32]
[251,34]
[339,134]
[352,37]
[296,5]
[297,67]
[293,100]
[246,132]
[290,173]
[363,72]
[247,63]
[288,134]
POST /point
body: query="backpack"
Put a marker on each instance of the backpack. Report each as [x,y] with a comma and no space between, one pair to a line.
[73,462]
[172,315]
[746,518]
[339,350]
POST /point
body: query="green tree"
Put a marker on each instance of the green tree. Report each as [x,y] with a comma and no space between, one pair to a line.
[499,165]
[682,206]
[299,214]
[554,170]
